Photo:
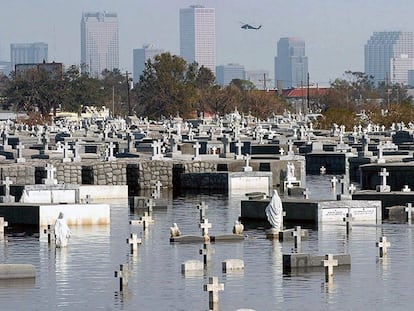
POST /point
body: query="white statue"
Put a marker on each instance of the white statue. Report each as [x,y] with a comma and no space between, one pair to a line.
[274,212]
[290,171]
[175,231]
[62,231]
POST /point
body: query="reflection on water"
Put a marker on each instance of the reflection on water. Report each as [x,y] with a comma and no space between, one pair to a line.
[81,277]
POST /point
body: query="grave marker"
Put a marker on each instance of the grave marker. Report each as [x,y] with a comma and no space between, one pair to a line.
[123,276]
[329,263]
[133,241]
[409,210]
[383,245]
[213,287]
[202,207]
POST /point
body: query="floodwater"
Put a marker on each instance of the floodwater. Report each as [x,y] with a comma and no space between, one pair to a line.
[81,277]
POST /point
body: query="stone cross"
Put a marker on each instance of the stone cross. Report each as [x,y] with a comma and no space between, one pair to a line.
[202,207]
[50,174]
[383,245]
[144,220]
[383,187]
[225,140]
[322,170]
[380,158]
[351,189]
[20,158]
[66,148]
[111,148]
[406,189]
[409,210]
[149,205]
[239,146]
[247,167]
[213,287]
[7,183]
[156,150]
[133,241]
[342,181]
[329,263]
[50,233]
[281,151]
[196,148]
[334,181]
[206,251]
[77,157]
[306,193]
[123,276]
[214,150]
[297,236]
[204,226]
[290,148]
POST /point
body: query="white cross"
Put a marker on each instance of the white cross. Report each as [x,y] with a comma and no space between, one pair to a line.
[408,210]
[150,205]
[323,170]
[329,263]
[133,241]
[297,235]
[144,220]
[239,146]
[202,207]
[384,175]
[206,251]
[196,148]
[3,224]
[213,287]
[406,189]
[351,188]
[348,220]
[334,180]
[204,226]
[281,151]
[383,245]
[20,148]
[306,193]
[123,276]
[50,233]
[247,158]
[7,182]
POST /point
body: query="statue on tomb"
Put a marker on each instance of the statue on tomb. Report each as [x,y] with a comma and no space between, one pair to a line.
[290,172]
[274,212]
[175,231]
[62,231]
[238,227]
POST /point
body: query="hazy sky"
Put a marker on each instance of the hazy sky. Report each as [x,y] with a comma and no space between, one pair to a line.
[334,31]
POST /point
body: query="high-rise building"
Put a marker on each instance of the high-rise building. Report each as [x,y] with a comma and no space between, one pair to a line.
[260,79]
[399,69]
[382,47]
[198,36]
[226,73]
[291,64]
[99,42]
[28,53]
[141,56]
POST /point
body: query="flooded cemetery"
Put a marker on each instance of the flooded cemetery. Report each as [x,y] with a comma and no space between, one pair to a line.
[224,213]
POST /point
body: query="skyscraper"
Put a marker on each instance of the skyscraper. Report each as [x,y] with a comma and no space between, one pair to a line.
[226,73]
[28,53]
[141,56]
[99,42]
[291,64]
[382,47]
[198,36]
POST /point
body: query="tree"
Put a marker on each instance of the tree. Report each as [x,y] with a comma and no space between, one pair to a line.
[262,104]
[167,87]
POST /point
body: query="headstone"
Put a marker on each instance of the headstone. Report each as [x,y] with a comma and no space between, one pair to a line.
[66,157]
[230,265]
[334,181]
[196,148]
[20,158]
[247,167]
[239,155]
[409,210]
[3,224]
[7,198]
[111,148]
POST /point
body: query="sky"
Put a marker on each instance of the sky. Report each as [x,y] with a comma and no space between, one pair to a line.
[334,31]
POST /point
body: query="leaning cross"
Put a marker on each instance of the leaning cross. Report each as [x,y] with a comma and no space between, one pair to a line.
[329,263]
[133,241]
[123,276]
[213,287]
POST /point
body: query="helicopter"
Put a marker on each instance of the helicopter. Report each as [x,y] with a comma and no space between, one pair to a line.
[248,26]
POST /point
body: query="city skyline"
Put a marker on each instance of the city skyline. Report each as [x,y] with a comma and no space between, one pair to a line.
[334,39]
